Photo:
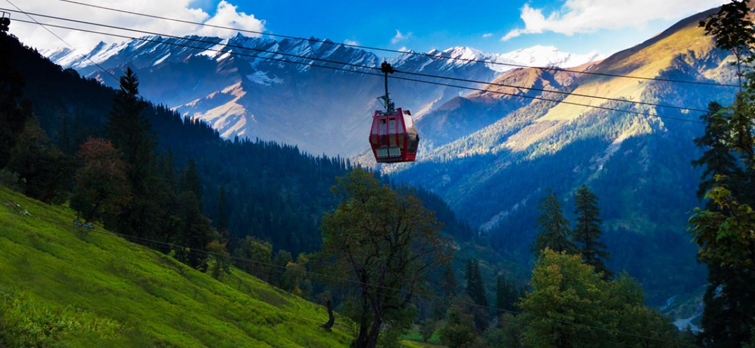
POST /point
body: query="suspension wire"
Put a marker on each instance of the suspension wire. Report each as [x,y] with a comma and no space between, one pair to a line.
[375,68]
[375,287]
[61,39]
[147,39]
[400,51]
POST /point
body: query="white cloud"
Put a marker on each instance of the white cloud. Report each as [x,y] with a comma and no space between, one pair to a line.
[350,42]
[403,49]
[584,16]
[487,35]
[226,14]
[400,37]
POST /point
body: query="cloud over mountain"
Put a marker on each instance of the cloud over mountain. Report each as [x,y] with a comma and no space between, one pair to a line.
[584,16]
[225,14]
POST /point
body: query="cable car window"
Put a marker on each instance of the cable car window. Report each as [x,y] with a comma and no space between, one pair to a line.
[391,126]
[408,120]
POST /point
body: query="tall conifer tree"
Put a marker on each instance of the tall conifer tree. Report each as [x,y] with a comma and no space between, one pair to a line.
[723,230]
[587,231]
[554,228]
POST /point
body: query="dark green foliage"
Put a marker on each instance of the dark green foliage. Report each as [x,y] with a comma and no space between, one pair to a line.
[554,232]
[475,287]
[44,172]
[567,291]
[476,292]
[509,332]
[195,232]
[506,295]
[254,257]
[459,330]
[723,230]
[587,231]
[190,182]
[448,285]
[221,223]
[130,131]
[101,186]
[427,329]
[717,158]
[281,259]
[12,116]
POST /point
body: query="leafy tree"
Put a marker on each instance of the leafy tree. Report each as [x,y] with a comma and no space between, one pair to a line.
[554,232]
[587,231]
[508,334]
[565,290]
[101,185]
[732,30]
[572,306]
[295,275]
[44,172]
[220,259]
[459,330]
[427,329]
[259,255]
[386,241]
[280,261]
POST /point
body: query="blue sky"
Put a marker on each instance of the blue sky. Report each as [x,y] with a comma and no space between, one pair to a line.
[477,23]
[577,26]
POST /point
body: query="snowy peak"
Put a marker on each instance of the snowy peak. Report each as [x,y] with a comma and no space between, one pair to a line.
[544,56]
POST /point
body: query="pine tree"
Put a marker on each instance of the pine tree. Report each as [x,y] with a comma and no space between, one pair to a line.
[475,287]
[587,231]
[130,131]
[723,230]
[554,231]
[448,284]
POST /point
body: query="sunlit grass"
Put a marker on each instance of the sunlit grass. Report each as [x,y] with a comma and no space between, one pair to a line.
[137,296]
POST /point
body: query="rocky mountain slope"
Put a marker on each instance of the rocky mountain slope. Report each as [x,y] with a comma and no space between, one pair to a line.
[268,89]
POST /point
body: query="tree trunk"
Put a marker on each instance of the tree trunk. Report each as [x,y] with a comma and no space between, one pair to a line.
[331,318]
[372,338]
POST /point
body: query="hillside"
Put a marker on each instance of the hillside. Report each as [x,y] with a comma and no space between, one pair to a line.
[639,165]
[95,289]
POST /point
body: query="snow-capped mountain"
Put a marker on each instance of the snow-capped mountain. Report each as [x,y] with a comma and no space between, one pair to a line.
[311,93]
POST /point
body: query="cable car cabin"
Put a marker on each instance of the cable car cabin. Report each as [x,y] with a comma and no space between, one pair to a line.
[394,137]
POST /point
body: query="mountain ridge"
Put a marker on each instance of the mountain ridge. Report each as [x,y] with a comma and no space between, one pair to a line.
[210,70]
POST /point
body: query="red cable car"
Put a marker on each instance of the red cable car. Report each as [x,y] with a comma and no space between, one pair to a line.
[394,136]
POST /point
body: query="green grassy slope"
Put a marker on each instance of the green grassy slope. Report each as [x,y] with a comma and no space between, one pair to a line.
[91,288]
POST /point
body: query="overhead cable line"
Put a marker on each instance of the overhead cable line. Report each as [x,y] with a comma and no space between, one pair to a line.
[470,60]
[369,67]
[147,39]
[377,286]
[61,39]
